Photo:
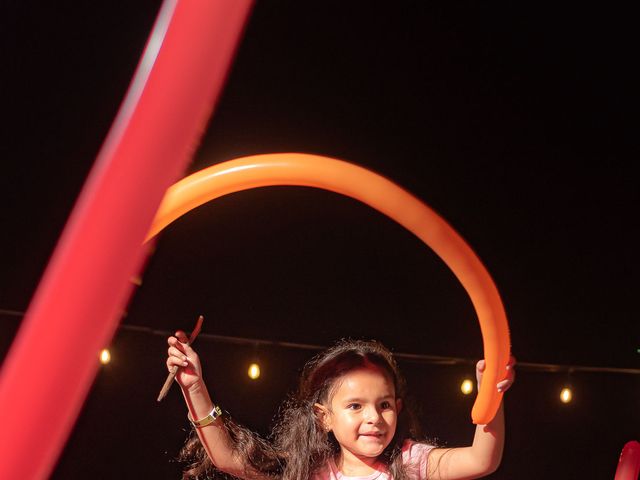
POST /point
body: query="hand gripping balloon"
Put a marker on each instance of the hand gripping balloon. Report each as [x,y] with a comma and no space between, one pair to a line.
[386,197]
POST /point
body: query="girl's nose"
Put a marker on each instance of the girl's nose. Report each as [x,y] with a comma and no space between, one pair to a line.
[372,415]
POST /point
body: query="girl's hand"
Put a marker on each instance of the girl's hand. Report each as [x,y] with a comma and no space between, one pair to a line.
[504,384]
[183,356]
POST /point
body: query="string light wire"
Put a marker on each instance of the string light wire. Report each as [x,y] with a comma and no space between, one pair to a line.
[410,357]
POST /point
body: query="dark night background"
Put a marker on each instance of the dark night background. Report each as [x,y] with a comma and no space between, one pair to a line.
[511,119]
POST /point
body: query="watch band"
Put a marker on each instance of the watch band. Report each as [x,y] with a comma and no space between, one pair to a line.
[215,412]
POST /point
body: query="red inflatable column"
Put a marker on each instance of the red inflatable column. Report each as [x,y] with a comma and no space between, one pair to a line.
[76,308]
[629,463]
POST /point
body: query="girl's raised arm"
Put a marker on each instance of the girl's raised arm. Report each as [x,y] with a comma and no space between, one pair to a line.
[484,455]
[213,436]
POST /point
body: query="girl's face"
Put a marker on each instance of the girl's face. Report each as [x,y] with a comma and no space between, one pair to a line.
[362,413]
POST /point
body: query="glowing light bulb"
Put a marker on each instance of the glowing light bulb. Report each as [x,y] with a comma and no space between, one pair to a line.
[105,356]
[466,387]
[566,395]
[254,371]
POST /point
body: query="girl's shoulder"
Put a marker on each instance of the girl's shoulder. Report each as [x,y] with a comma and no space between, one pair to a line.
[415,456]
[415,447]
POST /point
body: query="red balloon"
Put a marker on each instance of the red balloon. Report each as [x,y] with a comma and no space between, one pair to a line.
[76,308]
[629,463]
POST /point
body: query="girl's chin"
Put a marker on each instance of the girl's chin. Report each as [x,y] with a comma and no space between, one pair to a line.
[372,448]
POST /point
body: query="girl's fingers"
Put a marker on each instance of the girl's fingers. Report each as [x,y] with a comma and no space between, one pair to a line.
[480,367]
[183,347]
[176,362]
[511,372]
[182,337]
[181,351]
[504,385]
[177,358]
[179,354]
[180,342]
[175,344]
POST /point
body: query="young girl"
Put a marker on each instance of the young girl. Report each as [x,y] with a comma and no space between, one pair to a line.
[348,420]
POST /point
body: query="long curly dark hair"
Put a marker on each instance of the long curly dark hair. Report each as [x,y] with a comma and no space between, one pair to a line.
[299,446]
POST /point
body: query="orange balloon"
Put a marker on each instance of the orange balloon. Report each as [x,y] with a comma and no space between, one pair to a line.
[386,197]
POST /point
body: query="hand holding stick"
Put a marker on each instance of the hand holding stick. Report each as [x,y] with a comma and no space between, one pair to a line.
[174,369]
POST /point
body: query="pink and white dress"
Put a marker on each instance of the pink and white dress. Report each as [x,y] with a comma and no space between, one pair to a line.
[414,455]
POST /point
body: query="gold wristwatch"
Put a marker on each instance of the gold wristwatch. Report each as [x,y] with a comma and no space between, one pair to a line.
[208,420]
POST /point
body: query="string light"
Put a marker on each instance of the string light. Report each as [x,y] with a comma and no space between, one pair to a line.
[409,357]
[466,387]
[566,395]
[254,371]
[105,356]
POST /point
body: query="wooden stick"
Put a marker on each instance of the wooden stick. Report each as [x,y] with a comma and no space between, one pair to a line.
[174,370]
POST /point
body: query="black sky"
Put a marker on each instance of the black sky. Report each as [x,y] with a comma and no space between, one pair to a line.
[512,120]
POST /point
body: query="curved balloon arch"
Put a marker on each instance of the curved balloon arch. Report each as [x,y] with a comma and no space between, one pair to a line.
[386,197]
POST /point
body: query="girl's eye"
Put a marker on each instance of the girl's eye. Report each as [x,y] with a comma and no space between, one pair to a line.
[385,405]
[353,406]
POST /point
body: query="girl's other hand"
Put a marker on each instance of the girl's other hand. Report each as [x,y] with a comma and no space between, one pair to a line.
[183,356]
[505,383]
